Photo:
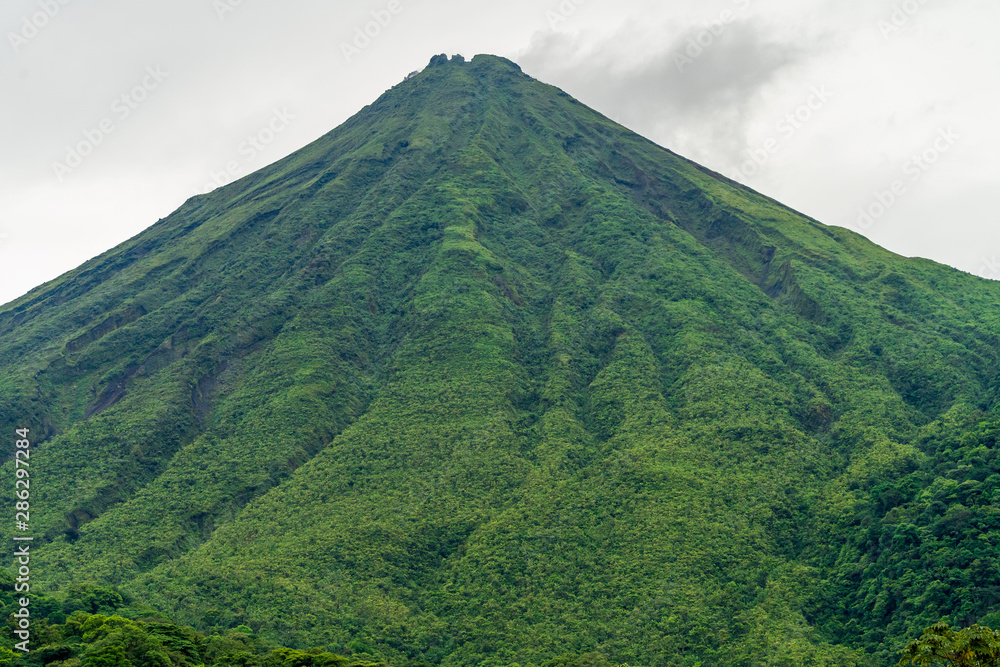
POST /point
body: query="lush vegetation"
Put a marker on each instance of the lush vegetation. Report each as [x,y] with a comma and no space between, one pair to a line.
[923,546]
[974,646]
[94,626]
[481,377]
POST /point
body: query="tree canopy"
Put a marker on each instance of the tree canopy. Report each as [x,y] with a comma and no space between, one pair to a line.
[974,646]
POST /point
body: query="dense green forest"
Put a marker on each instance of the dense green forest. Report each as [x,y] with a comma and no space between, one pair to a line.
[95,626]
[923,546]
[483,378]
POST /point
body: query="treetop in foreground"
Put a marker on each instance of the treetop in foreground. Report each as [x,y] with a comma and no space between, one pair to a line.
[974,646]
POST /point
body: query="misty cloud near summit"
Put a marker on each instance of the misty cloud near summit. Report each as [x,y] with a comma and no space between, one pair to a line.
[699,91]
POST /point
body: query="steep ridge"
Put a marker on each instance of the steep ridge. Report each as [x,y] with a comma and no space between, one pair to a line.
[483,376]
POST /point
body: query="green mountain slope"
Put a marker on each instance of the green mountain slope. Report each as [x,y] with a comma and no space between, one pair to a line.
[483,377]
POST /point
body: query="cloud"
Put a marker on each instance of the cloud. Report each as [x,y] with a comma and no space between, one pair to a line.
[697,92]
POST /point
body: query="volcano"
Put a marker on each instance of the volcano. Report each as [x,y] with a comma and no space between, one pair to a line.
[482,377]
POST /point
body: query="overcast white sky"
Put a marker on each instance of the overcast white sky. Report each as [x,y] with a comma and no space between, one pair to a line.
[826,105]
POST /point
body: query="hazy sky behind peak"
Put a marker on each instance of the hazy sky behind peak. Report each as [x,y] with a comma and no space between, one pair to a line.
[826,106]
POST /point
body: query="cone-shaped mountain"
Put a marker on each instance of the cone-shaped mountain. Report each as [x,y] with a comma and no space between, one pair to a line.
[481,375]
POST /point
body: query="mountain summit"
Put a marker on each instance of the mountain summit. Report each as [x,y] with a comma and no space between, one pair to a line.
[482,377]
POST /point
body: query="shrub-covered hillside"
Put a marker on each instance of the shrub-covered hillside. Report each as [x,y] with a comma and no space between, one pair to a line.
[481,377]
